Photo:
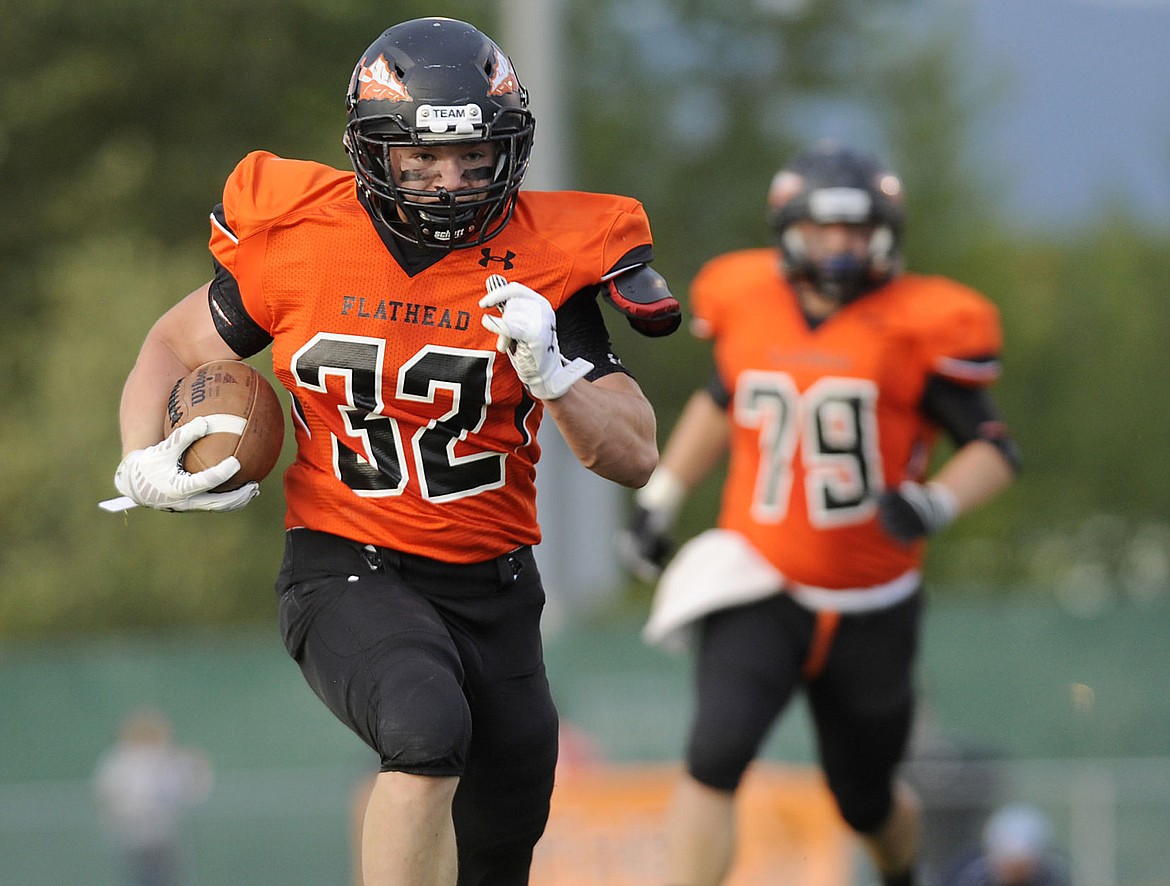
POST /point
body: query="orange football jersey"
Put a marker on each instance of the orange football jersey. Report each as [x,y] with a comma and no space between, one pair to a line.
[412,431]
[822,420]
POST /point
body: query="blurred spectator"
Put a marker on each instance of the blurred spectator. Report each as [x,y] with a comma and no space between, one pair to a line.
[1016,850]
[143,785]
[960,781]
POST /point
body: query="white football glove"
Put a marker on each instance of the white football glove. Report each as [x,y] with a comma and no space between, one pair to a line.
[154,477]
[527,330]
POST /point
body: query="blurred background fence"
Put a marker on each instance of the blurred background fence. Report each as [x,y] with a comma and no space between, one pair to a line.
[1025,701]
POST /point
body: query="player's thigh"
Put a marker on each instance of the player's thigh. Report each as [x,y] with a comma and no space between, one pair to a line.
[506,681]
[746,670]
[378,654]
[863,706]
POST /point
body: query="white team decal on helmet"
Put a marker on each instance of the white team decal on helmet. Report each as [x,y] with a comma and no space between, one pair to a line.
[460,119]
[827,205]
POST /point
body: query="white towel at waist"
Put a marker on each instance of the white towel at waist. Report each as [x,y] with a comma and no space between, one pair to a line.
[716,569]
[719,568]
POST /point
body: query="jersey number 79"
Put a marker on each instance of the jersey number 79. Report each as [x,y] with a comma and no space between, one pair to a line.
[827,435]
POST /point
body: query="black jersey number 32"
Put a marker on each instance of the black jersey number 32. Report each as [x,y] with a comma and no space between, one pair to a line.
[443,475]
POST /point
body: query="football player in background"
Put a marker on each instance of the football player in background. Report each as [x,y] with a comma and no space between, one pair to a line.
[423,318]
[834,373]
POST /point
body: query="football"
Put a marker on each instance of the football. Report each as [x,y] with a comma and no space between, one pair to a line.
[248,421]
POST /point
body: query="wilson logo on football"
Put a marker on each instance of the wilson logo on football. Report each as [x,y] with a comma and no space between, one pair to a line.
[460,119]
[503,79]
[379,82]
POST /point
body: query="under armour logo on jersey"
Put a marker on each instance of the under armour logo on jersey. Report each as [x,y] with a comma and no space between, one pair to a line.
[488,258]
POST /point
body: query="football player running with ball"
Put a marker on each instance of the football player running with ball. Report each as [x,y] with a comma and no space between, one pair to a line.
[423,318]
[834,373]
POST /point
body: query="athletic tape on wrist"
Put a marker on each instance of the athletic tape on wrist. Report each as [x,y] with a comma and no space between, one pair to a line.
[663,493]
[946,505]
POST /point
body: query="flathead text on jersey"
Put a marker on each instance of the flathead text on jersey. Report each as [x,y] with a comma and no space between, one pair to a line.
[404,312]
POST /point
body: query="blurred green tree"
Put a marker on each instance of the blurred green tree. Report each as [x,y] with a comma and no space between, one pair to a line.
[120,120]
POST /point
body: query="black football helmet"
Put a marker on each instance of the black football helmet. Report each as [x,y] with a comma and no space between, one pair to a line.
[437,81]
[829,184]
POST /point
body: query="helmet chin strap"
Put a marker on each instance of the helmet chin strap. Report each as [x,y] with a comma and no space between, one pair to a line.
[455,224]
[841,278]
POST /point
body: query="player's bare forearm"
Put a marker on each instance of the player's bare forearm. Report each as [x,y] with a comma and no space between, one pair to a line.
[183,338]
[975,474]
[698,441]
[610,427]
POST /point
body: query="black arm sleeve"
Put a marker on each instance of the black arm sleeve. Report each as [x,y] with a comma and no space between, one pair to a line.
[581,332]
[238,330]
[967,414]
[718,391]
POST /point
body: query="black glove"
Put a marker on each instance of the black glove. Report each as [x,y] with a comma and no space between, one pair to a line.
[645,545]
[913,510]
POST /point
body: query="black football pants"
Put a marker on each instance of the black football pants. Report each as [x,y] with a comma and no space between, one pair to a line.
[439,668]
